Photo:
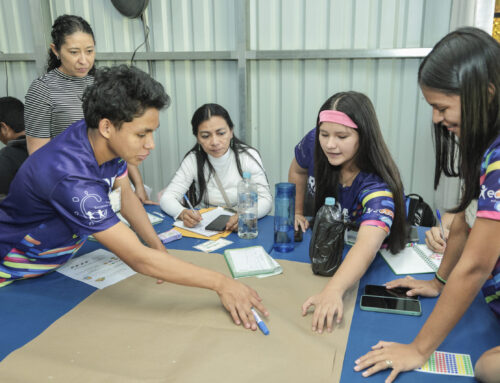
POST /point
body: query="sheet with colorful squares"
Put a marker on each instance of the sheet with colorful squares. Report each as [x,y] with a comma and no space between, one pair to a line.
[448,363]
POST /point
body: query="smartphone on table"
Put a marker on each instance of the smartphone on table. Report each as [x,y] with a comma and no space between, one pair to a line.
[219,223]
[391,305]
[382,291]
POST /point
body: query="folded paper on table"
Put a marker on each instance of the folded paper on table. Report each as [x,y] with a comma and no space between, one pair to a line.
[417,259]
[100,268]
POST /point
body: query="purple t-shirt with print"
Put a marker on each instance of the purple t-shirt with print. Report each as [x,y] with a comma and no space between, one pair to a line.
[304,155]
[488,206]
[58,198]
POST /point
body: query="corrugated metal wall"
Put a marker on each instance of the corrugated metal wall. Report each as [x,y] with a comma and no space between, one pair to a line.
[283,95]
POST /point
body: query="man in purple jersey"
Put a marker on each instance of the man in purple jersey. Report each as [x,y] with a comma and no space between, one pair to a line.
[60,195]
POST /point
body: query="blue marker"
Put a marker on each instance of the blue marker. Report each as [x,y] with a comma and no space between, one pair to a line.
[440,224]
[260,323]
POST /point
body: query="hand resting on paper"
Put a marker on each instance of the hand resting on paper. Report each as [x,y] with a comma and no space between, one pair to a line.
[239,299]
[327,305]
[431,288]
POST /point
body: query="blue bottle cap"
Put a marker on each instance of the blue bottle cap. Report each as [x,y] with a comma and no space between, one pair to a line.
[246,175]
[285,189]
[330,201]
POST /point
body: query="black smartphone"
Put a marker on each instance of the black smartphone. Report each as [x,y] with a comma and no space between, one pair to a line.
[219,223]
[381,291]
[297,235]
[390,305]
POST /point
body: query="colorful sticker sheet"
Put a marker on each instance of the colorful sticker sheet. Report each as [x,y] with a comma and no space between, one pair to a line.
[448,363]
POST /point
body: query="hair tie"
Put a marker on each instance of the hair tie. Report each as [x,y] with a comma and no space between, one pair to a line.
[337,117]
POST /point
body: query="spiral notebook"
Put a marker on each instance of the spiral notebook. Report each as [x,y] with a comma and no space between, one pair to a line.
[415,259]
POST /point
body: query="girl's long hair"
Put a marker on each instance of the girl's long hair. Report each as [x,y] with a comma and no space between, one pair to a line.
[204,113]
[372,156]
[466,63]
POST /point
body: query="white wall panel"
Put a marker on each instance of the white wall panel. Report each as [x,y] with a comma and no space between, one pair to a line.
[283,95]
[303,85]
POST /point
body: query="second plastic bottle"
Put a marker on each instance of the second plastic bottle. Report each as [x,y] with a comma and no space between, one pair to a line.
[247,208]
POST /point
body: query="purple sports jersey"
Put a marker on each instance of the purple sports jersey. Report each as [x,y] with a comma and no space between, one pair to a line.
[368,201]
[488,206]
[58,198]
[304,155]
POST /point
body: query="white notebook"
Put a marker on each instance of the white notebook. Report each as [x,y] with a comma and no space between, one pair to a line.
[251,261]
[416,259]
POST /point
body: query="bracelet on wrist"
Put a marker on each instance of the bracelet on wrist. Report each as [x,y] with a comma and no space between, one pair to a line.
[439,278]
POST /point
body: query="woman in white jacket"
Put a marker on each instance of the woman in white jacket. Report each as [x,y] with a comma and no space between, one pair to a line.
[217,153]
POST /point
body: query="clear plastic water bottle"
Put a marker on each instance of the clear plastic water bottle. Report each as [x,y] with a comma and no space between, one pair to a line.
[284,217]
[333,208]
[247,208]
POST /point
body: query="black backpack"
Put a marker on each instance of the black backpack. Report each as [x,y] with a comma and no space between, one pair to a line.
[419,212]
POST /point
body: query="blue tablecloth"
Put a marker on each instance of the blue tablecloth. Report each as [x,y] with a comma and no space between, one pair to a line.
[28,307]
[476,332]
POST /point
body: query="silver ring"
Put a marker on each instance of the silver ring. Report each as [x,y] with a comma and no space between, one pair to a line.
[388,362]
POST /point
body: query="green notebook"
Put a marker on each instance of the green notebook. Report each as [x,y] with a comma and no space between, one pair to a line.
[251,261]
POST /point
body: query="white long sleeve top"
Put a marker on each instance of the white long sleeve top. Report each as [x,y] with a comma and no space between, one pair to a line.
[225,166]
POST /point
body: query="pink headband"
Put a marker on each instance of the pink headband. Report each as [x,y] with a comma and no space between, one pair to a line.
[337,117]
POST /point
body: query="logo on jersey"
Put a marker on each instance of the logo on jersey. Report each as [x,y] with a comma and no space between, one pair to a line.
[489,194]
[92,207]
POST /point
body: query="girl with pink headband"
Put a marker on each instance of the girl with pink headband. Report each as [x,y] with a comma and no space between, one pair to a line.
[353,164]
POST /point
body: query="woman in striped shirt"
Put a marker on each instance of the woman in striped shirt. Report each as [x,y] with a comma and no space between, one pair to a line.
[54,100]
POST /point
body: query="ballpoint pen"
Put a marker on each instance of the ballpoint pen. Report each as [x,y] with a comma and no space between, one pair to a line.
[440,224]
[260,323]
[189,203]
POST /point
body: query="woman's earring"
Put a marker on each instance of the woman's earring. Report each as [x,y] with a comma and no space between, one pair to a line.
[198,147]
[232,143]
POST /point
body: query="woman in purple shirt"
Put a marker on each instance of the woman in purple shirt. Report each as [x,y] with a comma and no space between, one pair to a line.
[460,79]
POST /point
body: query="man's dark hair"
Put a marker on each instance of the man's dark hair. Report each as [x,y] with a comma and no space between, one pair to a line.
[120,94]
[12,113]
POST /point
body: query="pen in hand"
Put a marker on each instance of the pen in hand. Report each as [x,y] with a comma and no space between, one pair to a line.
[189,203]
[441,224]
[260,322]
[195,212]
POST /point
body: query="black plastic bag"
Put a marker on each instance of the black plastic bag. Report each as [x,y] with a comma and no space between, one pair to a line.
[327,244]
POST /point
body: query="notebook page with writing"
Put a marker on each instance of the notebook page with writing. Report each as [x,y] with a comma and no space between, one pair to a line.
[416,259]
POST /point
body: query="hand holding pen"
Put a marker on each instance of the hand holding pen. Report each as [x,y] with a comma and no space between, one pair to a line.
[190,217]
[441,224]
[435,238]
